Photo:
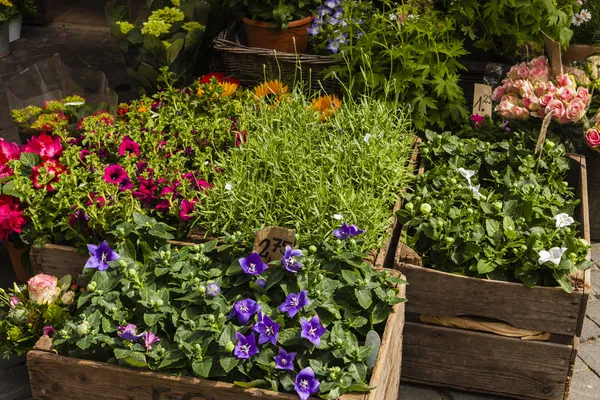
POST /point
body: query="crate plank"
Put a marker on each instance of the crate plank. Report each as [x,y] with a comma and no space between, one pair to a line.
[484,362]
[57,260]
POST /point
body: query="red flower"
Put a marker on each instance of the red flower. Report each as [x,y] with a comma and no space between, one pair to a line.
[8,151]
[83,154]
[115,174]
[46,146]
[11,216]
[187,207]
[478,119]
[208,77]
[163,206]
[50,170]
[241,138]
[146,192]
[128,146]
[95,199]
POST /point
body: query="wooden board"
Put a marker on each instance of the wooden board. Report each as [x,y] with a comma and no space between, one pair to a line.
[56,377]
[57,260]
[594,194]
[484,362]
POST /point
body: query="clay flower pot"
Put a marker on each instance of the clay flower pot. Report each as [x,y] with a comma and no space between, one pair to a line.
[579,52]
[15,258]
[261,35]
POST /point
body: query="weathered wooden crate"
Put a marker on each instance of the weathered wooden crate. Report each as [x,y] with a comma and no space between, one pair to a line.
[56,377]
[485,362]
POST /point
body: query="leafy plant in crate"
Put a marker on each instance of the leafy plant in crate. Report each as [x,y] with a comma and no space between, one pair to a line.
[219,312]
[162,33]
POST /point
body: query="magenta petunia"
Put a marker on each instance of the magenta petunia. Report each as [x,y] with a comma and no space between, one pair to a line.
[129,147]
[163,206]
[187,208]
[115,174]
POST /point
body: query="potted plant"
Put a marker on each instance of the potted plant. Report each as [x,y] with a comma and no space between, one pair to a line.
[277,24]
[7,13]
[586,33]
[22,7]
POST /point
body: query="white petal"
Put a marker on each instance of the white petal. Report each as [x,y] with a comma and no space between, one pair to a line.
[338,217]
[556,254]
[544,257]
[367,137]
[476,193]
[228,186]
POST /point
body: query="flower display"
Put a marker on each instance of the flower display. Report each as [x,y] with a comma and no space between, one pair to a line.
[528,91]
[245,346]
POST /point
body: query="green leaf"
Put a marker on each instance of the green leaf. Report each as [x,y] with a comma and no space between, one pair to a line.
[357,322]
[30,160]
[332,307]
[252,384]
[171,356]
[228,363]
[351,277]
[137,359]
[492,227]
[122,353]
[85,342]
[364,297]
[485,266]
[562,278]
[173,50]
[65,282]
[228,335]
[202,368]
[152,319]
[275,277]
[9,189]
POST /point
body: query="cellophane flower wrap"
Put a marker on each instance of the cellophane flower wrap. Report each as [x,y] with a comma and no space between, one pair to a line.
[530,91]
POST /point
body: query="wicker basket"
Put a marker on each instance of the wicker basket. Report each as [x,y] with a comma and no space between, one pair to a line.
[251,65]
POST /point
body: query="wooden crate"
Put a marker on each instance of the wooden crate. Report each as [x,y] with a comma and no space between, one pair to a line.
[56,377]
[484,362]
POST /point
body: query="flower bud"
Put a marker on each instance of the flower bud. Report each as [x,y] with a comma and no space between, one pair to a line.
[498,205]
[409,206]
[67,298]
[202,289]
[312,249]
[92,286]
[211,318]
[83,328]
[229,347]
[159,303]
[425,208]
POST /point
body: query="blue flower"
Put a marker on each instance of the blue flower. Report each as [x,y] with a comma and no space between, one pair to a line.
[294,302]
[332,3]
[253,265]
[246,346]
[129,332]
[284,360]
[338,13]
[306,384]
[213,290]
[289,259]
[322,11]
[333,21]
[244,309]
[100,256]
[347,231]
[261,283]
[312,330]
[267,329]
[333,46]
[314,30]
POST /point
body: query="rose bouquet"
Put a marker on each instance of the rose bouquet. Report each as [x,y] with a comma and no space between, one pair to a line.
[28,312]
[156,157]
[298,324]
[528,91]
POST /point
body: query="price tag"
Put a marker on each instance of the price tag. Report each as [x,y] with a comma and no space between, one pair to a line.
[482,101]
[270,242]
[554,54]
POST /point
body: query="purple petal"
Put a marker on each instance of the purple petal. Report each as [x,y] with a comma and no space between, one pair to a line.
[92,249]
[93,263]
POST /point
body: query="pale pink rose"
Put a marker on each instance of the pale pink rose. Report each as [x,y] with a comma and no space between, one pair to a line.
[575,110]
[43,289]
[583,94]
[531,103]
[539,74]
[504,108]
[556,108]
[523,72]
[566,94]
[526,89]
[513,73]
[539,62]
[564,80]
[592,136]
[518,84]
[498,93]
[519,113]
[551,88]
[546,99]
[539,89]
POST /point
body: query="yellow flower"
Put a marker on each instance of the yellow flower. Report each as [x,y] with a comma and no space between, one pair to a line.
[142,109]
[200,91]
[6,3]
[272,91]
[228,88]
[326,106]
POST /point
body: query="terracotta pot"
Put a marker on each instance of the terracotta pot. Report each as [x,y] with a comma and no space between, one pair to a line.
[579,52]
[261,35]
[15,258]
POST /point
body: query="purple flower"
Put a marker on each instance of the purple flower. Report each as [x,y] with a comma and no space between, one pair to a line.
[14,300]
[333,45]
[129,332]
[212,290]
[114,174]
[246,346]
[333,21]
[294,302]
[506,125]
[267,329]
[253,265]
[261,282]
[149,339]
[306,384]
[347,231]
[338,13]
[48,331]
[100,256]
[288,260]
[314,30]
[312,330]
[332,3]
[284,360]
[244,309]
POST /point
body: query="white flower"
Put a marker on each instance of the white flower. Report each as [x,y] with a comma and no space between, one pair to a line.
[554,255]
[367,137]
[393,17]
[577,19]
[228,186]
[563,220]
[338,217]
[586,15]
[476,193]
[68,298]
[206,162]
[580,2]
[467,173]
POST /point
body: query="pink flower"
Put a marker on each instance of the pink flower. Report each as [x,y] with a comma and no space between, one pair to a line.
[564,80]
[498,93]
[50,170]
[551,88]
[128,147]
[583,94]
[187,207]
[531,103]
[478,119]
[5,171]
[523,71]
[526,89]
[44,145]
[48,331]
[163,206]
[83,154]
[566,94]
[8,151]
[43,289]
[240,137]
[115,174]
[519,113]
[11,216]
[539,89]
[95,199]
[556,108]
[539,74]
[125,184]
[14,300]
[546,99]
[592,137]
[539,62]
[513,74]
[575,110]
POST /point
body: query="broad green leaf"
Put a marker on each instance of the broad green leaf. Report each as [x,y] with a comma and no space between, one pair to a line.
[364,297]
[152,319]
[137,359]
[228,363]
[202,367]
[122,353]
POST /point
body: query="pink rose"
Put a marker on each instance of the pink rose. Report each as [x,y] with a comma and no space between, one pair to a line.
[539,89]
[539,74]
[43,289]
[513,74]
[551,88]
[539,62]
[531,103]
[564,80]
[14,300]
[566,94]
[583,94]
[556,108]
[518,84]
[523,71]
[575,110]
[526,89]
[592,137]
[546,99]
[498,93]
[519,113]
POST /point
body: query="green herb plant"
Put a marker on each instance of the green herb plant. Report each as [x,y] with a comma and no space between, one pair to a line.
[495,223]
[277,12]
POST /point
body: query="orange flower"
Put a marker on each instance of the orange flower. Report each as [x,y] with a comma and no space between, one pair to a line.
[229,88]
[200,91]
[271,91]
[142,109]
[326,106]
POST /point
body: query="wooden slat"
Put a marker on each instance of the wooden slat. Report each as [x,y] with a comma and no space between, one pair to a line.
[485,363]
[57,260]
